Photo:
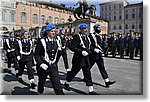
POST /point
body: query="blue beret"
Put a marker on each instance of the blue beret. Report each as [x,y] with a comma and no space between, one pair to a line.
[50,27]
[96,26]
[61,29]
[82,26]
[23,31]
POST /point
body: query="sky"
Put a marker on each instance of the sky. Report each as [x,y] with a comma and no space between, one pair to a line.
[70,3]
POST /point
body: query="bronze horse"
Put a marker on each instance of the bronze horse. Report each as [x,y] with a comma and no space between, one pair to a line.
[80,11]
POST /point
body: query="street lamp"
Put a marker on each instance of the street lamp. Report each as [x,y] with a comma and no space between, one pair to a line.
[70,20]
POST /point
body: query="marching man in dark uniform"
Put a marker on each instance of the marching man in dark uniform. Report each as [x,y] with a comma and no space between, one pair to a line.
[10,47]
[122,45]
[25,56]
[62,52]
[96,56]
[80,45]
[45,55]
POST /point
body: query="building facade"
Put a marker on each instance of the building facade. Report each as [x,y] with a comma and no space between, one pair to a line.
[37,14]
[122,17]
[7,15]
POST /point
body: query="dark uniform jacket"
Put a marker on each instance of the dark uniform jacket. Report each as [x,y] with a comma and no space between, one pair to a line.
[11,44]
[51,49]
[76,47]
[26,46]
[95,55]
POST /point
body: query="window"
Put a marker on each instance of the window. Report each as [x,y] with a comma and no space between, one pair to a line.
[109,7]
[23,17]
[12,17]
[120,27]
[133,15]
[43,19]
[126,16]
[120,17]
[109,18]
[105,8]
[133,27]
[120,6]
[12,5]
[114,17]
[140,26]
[35,19]
[126,26]
[114,27]
[56,20]
[114,7]
[50,19]
[3,15]
[140,15]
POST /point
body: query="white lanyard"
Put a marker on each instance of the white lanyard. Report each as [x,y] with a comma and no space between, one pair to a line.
[82,43]
[21,51]
[46,57]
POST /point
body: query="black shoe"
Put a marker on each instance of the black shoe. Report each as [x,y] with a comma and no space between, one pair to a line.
[109,83]
[93,93]
[67,87]
[33,86]
[20,80]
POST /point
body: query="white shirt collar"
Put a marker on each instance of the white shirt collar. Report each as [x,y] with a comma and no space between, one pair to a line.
[50,39]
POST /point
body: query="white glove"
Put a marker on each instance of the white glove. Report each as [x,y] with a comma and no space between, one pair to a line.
[18,58]
[8,50]
[59,48]
[96,50]
[44,66]
[84,53]
[63,47]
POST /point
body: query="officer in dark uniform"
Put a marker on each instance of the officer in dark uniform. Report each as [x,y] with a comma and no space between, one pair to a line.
[105,45]
[131,45]
[141,46]
[136,41]
[114,46]
[96,56]
[80,45]
[45,55]
[62,52]
[10,47]
[25,56]
[122,46]
[127,38]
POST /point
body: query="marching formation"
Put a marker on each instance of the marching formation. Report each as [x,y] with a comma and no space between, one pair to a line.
[88,49]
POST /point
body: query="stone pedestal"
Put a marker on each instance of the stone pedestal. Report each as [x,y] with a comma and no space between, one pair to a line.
[89,22]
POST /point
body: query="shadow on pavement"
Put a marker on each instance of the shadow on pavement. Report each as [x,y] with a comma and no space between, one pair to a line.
[23,91]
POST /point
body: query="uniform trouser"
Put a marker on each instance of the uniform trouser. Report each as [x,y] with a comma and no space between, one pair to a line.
[101,67]
[64,55]
[11,56]
[127,51]
[121,52]
[54,77]
[131,50]
[136,51]
[141,53]
[29,68]
[86,73]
